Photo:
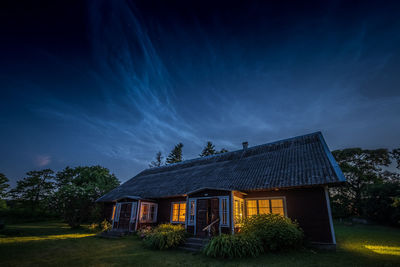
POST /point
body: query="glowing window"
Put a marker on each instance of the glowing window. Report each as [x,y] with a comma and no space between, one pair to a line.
[148,212]
[265,206]
[238,210]
[178,212]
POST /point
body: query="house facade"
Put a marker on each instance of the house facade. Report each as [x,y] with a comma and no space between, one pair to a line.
[212,195]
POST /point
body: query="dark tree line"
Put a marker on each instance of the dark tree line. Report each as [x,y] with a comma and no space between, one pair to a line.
[70,193]
[372,189]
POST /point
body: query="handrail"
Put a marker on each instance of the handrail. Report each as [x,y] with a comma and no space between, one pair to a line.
[208,227]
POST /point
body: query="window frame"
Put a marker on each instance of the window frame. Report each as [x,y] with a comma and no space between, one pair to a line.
[147,219]
[270,207]
[221,211]
[179,209]
[189,209]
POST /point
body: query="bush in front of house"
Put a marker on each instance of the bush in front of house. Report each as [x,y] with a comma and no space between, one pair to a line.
[234,246]
[276,232]
[165,236]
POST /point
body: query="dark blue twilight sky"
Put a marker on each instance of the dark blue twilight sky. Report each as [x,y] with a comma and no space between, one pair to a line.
[113,82]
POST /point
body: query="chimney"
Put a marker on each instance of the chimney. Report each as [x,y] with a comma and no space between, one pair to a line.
[245,145]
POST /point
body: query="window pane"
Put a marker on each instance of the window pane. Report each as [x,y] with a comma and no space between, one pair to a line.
[152,212]
[251,207]
[277,203]
[263,206]
[175,212]
[182,212]
[145,211]
[278,211]
[224,211]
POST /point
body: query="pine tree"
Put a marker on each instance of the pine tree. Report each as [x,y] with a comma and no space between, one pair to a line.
[223,150]
[208,150]
[175,155]
[3,185]
[158,162]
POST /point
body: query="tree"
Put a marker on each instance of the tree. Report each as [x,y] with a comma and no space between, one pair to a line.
[223,150]
[208,150]
[361,168]
[3,185]
[35,188]
[158,162]
[175,155]
[78,190]
[396,155]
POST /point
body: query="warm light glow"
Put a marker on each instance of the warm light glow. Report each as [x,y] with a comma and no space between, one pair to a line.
[384,250]
[265,206]
[41,238]
[179,212]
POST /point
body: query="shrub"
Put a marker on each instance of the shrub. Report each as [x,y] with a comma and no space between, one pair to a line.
[165,236]
[143,232]
[94,227]
[105,226]
[275,231]
[234,246]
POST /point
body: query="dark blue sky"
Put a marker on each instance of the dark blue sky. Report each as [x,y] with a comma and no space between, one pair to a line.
[113,82]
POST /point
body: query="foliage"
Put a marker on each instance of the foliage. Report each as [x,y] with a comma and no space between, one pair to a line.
[175,155]
[363,169]
[234,246]
[158,162]
[209,150]
[276,232]
[144,231]
[105,226]
[381,205]
[94,227]
[165,236]
[3,185]
[35,189]
[3,205]
[78,190]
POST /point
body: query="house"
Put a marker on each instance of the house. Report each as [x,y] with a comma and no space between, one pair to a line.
[288,177]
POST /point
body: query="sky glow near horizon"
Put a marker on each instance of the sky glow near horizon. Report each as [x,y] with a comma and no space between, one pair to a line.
[124,80]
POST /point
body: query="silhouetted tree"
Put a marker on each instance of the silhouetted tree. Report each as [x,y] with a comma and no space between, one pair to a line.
[35,188]
[223,150]
[175,155]
[158,162]
[208,150]
[3,185]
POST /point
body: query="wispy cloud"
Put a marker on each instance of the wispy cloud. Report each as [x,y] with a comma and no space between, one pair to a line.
[42,160]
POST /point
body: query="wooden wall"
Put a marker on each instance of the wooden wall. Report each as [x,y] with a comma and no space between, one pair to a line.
[164,208]
[307,206]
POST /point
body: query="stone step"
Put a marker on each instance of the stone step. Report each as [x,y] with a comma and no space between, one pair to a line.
[189,249]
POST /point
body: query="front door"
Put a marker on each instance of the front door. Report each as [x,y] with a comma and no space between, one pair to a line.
[207,212]
[125,216]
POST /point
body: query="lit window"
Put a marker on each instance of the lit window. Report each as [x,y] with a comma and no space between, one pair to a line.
[192,212]
[178,212]
[224,212]
[265,206]
[148,212]
[238,210]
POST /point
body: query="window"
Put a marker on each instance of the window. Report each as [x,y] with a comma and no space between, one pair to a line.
[148,212]
[238,210]
[192,211]
[265,206]
[224,211]
[113,213]
[118,210]
[178,212]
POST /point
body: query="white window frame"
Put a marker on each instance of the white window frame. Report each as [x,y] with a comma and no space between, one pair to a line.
[221,211]
[172,210]
[189,222]
[267,198]
[147,219]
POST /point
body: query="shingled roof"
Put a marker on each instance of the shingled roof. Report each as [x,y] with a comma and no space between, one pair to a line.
[296,162]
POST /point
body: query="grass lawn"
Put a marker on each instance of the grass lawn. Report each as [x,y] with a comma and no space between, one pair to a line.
[53,243]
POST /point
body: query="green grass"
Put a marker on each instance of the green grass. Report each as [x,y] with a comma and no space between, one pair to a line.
[53,243]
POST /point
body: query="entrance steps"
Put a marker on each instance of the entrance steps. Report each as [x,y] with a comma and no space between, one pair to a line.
[194,244]
[114,234]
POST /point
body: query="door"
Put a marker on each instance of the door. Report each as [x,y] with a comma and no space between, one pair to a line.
[125,216]
[201,217]
[207,212]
